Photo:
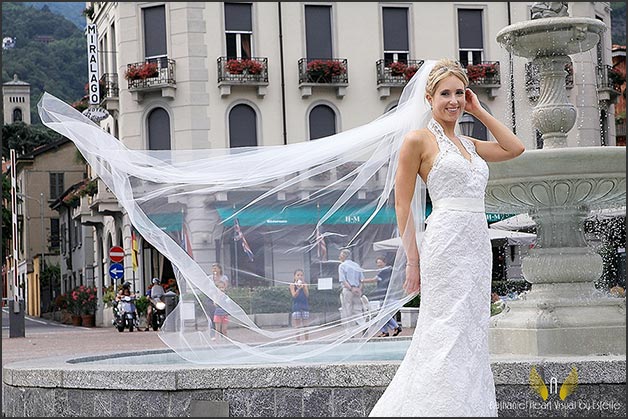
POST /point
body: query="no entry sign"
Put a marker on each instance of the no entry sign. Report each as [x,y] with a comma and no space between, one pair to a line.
[116,254]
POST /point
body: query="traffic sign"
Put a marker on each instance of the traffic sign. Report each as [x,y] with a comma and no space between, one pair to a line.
[116,254]
[116,271]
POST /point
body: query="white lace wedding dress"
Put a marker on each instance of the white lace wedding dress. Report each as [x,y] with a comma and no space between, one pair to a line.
[446,370]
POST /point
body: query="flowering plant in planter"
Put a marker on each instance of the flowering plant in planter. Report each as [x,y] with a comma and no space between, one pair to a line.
[239,66]
[480,71]
[324,70]
[141,71]
[397,68]
[83,300]
[410,71]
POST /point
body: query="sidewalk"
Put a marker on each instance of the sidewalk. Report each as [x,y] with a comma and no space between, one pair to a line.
[72,340]
[66,340]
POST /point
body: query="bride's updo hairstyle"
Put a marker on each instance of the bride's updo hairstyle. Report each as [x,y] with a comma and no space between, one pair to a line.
[444,68]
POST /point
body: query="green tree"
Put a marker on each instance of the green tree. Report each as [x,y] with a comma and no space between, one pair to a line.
[25,138]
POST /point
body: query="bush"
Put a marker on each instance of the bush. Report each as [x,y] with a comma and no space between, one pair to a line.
[141,305]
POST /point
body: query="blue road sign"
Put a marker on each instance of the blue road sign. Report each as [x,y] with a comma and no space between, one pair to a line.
[116,271]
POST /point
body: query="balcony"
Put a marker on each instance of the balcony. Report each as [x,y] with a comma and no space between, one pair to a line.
[394,74]
[533,80]
[109,91]
[324,72]
[104,202]
[151,75]
[609,83]
[242,72]
[485,74]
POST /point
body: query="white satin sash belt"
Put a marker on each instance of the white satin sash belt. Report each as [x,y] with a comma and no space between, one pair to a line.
[459,204]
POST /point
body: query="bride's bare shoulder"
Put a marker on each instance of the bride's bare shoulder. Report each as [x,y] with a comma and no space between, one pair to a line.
[417,137]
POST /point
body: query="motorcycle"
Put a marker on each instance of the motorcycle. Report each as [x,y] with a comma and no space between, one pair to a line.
[158,316]
[125,314]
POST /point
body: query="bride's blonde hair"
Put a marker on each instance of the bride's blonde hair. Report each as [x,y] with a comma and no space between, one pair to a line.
[445,67]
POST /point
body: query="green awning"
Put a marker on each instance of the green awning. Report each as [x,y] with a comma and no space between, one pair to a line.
[168,221]
[306,215]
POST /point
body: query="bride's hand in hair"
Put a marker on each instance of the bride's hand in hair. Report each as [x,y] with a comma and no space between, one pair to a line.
[412,283]
[472,104]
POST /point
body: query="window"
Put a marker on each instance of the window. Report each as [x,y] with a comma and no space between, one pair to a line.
[396,47]
[242,126]
[78,240]
[158,130]
[17,115]
[318,31]
[155,31]
[238,30]
[470,36]
[112,49]
[56,185]
[104,55]
[54,233]
[322,122]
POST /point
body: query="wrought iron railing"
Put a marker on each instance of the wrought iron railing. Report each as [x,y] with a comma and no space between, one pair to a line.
[396,73]
[533,79]
[109,87]
[242,71]
[608,78]
[323,70]
[484,73]
[152,72]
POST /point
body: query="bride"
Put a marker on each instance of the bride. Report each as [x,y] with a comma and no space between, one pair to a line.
[194,206]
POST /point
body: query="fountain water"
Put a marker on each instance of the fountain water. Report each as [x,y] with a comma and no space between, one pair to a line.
[558,186]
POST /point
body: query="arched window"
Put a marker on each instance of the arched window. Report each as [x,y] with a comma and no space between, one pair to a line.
[159,130]
[17,115]
[322,122]
[242,126]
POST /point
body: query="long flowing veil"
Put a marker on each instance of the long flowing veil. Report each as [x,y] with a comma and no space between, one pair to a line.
[262,212]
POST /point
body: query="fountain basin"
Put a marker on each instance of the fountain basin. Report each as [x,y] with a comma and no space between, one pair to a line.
[593,177]
[125,385]
[569,35]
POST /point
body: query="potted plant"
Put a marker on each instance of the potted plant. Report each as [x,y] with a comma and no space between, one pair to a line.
[397,68]
[141,305]
[244,66]
[84,303]
[323,71]
[410,71]
[476,72]
[141,71]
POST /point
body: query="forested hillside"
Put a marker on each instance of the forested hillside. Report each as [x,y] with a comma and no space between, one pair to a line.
[50,53]
[72,11]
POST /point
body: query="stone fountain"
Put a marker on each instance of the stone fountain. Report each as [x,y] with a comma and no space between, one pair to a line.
[563,314]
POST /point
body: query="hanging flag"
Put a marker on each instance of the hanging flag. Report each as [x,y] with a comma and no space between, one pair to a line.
[134,249]
[239,236]
[186,242]
[321,245]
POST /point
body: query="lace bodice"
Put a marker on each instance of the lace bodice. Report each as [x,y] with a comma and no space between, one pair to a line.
[452,175]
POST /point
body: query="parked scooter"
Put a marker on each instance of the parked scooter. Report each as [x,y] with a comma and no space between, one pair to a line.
[125,314]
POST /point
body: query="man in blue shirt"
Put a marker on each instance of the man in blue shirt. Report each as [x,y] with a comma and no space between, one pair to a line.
[350,275]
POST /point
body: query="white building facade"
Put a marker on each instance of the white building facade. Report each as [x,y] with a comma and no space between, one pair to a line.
[193,97]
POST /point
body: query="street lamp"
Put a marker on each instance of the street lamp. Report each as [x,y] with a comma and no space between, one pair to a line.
[466,124]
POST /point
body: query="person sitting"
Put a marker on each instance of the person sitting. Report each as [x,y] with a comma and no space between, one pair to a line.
[156,294]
